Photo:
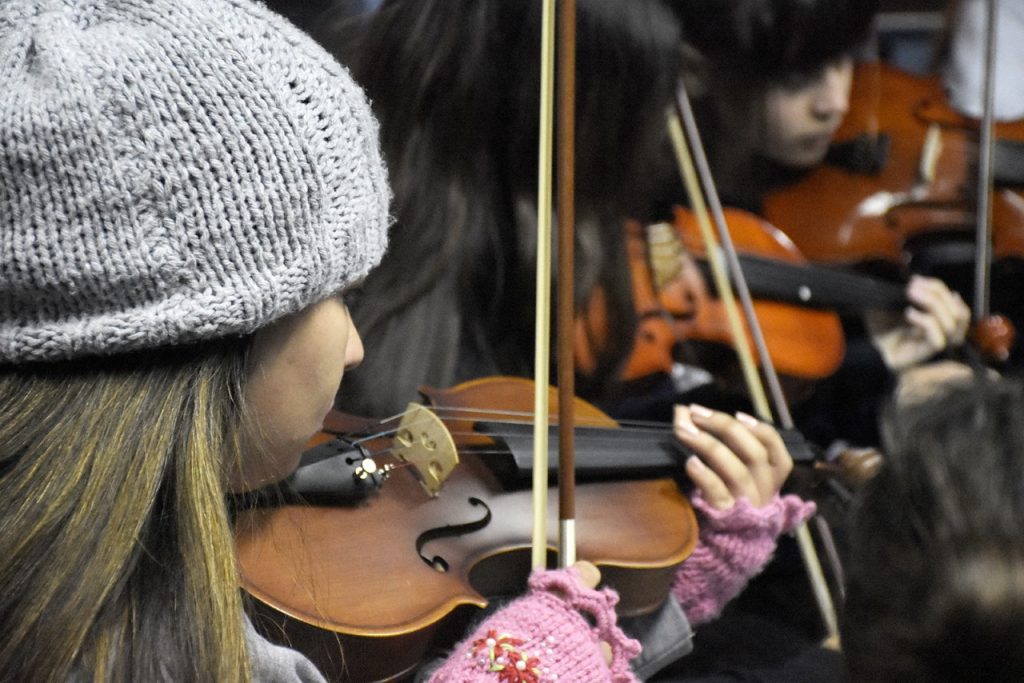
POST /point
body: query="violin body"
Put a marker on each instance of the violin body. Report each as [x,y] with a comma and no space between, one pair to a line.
[675,302]
[804,341]
[911,181]
[366,591]
[666,299]
[911,205]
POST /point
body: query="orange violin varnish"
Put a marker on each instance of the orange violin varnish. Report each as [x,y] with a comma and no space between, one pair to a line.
[803,342]
[921,181]
[674,302]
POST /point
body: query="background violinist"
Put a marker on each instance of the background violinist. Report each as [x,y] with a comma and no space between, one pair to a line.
[771,84]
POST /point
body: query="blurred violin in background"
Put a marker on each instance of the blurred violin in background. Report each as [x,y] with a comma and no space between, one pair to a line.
[797,302]
[900,174]
[676,302]
[897,195]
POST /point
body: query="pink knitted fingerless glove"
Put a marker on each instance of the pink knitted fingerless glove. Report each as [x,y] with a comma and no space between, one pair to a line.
[734,546]
[542,637]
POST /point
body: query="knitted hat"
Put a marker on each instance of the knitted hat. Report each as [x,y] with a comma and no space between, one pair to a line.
[171,171]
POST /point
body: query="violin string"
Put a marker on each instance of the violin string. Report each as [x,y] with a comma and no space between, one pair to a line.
[493,449]
[482,413]
[389,450]
[476,413]
[414,424]
[367,436]
[485,414]
[490,444]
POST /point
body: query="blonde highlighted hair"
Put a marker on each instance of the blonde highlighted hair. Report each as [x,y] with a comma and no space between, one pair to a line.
[116,555]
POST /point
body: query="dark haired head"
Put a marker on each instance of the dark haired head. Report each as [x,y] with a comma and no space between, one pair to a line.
[773,40]
[455,84]
[737,51]
[936,578]
[464,75]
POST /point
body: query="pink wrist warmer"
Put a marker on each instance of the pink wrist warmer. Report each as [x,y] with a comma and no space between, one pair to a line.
[734,546]
[542,637]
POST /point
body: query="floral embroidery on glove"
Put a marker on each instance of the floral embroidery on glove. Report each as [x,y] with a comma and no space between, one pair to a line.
[501,654]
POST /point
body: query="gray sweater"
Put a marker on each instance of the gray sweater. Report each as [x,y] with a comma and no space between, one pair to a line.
[276,664]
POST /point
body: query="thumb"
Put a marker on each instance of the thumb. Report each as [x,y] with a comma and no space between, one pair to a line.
[590,575]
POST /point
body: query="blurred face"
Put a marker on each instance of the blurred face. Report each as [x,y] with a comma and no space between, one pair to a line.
[802,115]
[296,365]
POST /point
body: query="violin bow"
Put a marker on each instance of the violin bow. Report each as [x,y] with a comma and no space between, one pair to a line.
[566,272]
[718,271]
[566,268]
[983,238]
[693,164]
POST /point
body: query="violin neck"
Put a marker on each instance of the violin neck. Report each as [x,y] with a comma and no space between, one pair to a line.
[603,453]
[818,286]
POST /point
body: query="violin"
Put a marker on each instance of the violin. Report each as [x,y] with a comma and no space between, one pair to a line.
[898,177]
[796,313]
[798,302]
[674,303]
[898,197]
[367,589]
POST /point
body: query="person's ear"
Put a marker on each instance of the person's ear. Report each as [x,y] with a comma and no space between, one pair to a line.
[696,71]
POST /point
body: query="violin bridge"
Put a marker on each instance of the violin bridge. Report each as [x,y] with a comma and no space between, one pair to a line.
[666,251]
[423,441]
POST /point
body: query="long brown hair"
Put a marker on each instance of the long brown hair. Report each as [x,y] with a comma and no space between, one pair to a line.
[457,102]
[116,557]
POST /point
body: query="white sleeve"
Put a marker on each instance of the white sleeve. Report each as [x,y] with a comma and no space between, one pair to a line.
[965,71]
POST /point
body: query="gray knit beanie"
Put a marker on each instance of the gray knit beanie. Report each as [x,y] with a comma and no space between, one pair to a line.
[171,171]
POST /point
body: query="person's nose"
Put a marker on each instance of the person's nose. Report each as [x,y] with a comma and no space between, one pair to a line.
[832,95]
[353,349]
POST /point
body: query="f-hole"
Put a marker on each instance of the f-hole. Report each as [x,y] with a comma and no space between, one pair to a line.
[437,562]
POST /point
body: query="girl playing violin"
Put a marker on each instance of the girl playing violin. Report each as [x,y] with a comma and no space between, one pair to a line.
[189,189]
[455,86]
[770,80]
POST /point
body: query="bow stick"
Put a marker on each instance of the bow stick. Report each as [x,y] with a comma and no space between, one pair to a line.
[688,148]
[983,238]
[566,268]
[992,334]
